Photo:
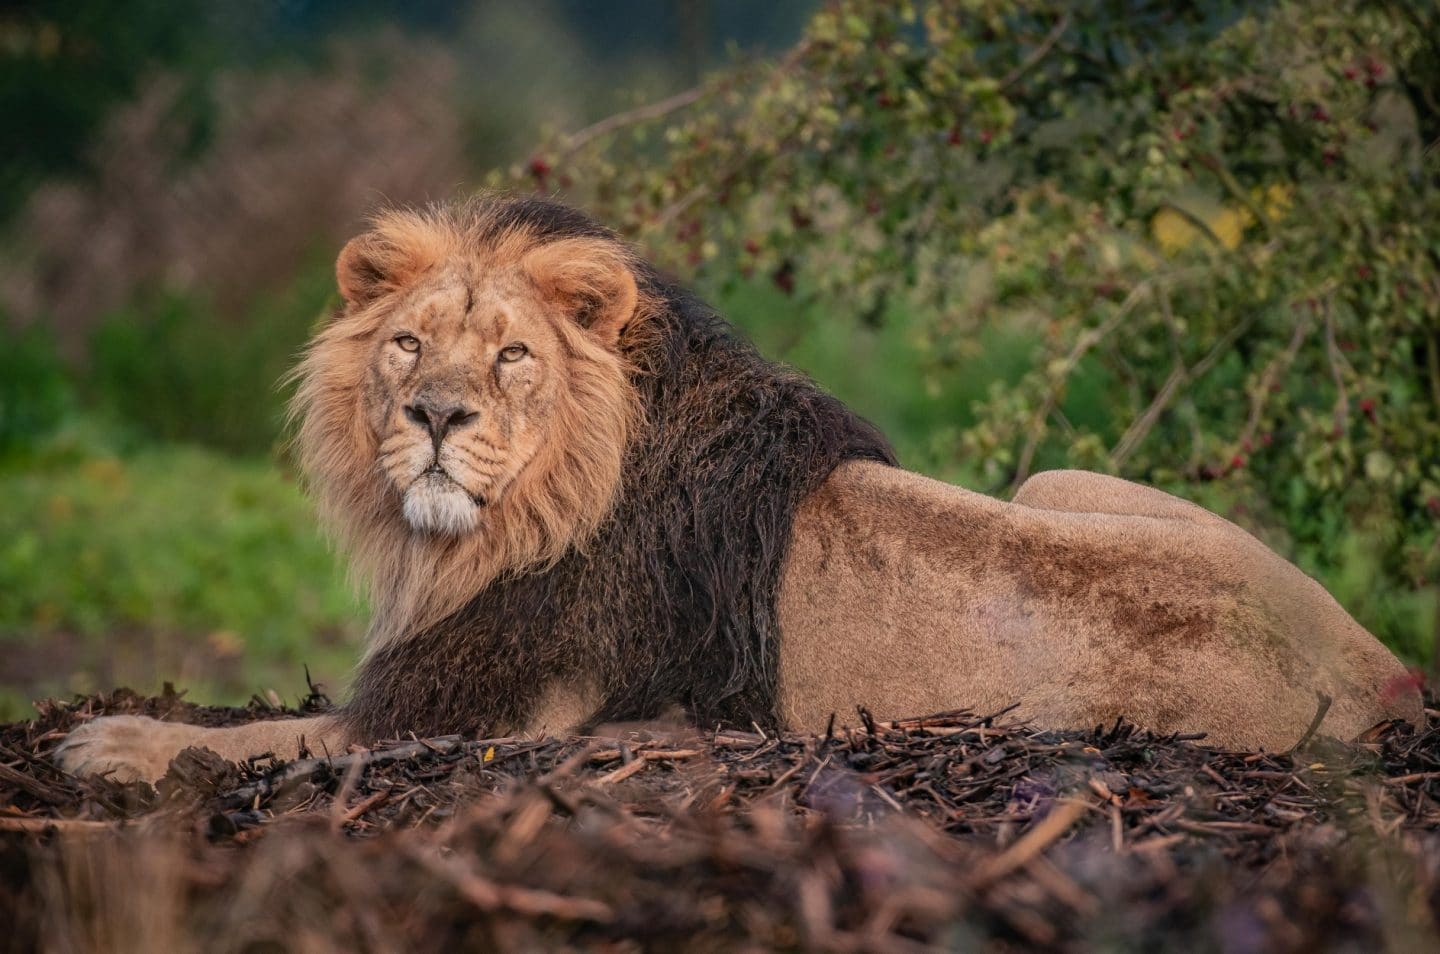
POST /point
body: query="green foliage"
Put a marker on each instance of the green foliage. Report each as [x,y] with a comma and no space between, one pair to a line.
[1212,223]
[173,370]
[35,391]
[177,559]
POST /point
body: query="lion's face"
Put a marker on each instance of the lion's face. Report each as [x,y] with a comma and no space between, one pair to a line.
[467,412]
[465,377]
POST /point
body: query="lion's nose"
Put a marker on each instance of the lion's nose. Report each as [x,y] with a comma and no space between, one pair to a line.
[439,421]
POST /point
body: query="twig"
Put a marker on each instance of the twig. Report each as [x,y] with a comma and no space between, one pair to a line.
[1236,190]
[632,117]
[1033,842]
[623,772]
[1082,346]
[1414,777]
[60,824]
[1195,222]
[488,895]
[718,180]
[1323,706]
[1140,428]
[1336,361]
[1269,377]
[304,769]
[1037,54]
[35,787]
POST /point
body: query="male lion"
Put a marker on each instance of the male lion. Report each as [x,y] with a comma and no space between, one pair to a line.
[576,496]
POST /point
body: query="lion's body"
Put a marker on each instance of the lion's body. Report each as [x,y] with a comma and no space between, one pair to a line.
[1086,599]
[635,511]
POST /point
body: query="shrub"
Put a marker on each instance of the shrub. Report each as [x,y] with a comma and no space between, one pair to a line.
[1213,220]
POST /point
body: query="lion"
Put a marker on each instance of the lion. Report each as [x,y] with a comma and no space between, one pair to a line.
[576,496]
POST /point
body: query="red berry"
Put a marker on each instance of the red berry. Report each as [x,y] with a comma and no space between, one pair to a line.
[784,278]
[1237,462]
[955,137]
[752,246]
[539,168]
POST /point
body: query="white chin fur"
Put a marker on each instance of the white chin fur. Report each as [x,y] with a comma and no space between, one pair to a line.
[436,504]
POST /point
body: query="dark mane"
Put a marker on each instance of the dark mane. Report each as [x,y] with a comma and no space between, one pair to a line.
[673,601]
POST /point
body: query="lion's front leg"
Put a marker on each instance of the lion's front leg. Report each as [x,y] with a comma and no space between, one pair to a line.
[137,747]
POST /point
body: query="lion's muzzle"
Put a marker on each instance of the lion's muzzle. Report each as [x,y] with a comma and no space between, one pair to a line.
[436,503]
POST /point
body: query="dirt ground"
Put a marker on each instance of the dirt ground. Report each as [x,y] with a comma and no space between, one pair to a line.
[955,831]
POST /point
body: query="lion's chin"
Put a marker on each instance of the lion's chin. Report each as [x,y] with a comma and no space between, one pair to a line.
[436,504]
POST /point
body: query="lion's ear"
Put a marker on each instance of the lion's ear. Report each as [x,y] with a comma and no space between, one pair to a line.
[591,279]
[360,270]
[389,257]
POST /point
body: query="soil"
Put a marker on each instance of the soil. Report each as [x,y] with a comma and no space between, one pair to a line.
[959,830]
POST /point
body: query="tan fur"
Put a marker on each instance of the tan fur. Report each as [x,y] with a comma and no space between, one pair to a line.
[1086,599]
[136,747]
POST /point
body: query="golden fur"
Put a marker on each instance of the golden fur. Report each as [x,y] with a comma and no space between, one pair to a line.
[1085,599]
[410,272]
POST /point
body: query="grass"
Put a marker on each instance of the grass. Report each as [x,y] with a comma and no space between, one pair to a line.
[173,563]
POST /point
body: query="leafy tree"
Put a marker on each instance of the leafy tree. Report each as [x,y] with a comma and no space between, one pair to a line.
[1215,221]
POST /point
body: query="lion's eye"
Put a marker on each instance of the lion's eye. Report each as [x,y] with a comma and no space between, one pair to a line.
[513,352]
[408,343]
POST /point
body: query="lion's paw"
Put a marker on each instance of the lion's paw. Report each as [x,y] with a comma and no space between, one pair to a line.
[125,747]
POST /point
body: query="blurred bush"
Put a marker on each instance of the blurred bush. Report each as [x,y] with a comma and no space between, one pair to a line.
[167,564]
[1212,223]
[168,370]
[35,392]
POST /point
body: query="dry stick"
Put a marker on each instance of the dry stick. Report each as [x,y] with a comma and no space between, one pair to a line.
[1037,54]
[342,795]
[1140,428]
[1268,379]
[632,117]
[60,824]
[304,769]
[1082,346]
[1236,190]
[35,787]
[1415,777]
[1336,359]
[673,211]
[623,772]
[1323,706]
[1033,842]
[488,895]
[1196,223]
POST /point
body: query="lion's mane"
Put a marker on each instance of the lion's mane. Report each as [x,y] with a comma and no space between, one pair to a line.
[672,598]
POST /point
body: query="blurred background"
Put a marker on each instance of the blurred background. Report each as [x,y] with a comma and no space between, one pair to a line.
[1188,243]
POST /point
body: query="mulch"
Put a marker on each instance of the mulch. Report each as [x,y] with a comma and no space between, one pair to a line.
[960,830]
